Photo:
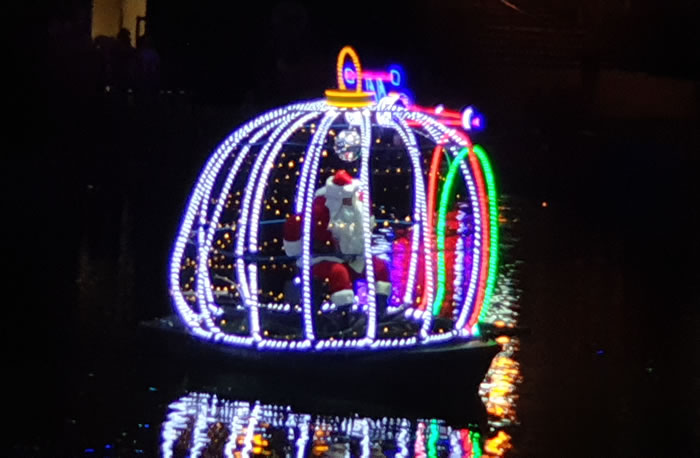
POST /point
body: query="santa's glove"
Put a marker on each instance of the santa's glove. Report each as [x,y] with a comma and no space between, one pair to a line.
[292,235]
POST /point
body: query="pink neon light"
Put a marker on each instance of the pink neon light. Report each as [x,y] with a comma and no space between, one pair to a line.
[374,75]
[444,113]
[432,196]
[444,122]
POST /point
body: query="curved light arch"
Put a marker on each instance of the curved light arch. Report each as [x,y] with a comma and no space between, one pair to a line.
[485,236]
[312,159]
[493,216]
[420,218]
[211,229]
[250,214]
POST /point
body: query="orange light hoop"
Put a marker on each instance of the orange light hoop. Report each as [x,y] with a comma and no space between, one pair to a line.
[349,51]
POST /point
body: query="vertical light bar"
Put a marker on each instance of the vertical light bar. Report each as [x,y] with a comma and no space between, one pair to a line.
[458,281]
[305,169]
[419,444]
[303,436]
[402,439]
[364,443]
[233,172]
[433,438]
[432,196]
[420,217]
[241,410]
[205,245]
[485,236]
[477,258]
[440,229]
[312,161]
[199,435]
[250,431]
[250,215]
[415,235]
[493,216]
[436,130]
[366,136]
[199,195]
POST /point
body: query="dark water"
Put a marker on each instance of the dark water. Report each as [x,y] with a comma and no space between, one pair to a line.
[607,282]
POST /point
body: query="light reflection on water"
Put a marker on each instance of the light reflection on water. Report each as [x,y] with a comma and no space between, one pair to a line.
[201,424]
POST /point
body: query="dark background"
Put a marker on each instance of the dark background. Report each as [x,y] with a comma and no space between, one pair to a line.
[610,264]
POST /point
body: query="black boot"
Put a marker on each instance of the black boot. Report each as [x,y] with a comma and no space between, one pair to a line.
[382,304]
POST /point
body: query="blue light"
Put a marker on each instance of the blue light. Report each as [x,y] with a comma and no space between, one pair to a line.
[89,450]
[398,75]
[472,120]
[369,87]
[395,77]
[349,75]
[381,91]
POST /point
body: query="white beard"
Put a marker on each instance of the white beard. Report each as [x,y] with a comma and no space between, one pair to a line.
[346,227]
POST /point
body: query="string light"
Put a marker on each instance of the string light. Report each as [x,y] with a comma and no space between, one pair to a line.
[493,215]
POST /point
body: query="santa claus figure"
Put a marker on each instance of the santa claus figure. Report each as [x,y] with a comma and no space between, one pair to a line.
[337,242]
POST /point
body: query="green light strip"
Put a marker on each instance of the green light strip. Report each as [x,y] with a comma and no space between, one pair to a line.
[433,439]
[475,438]
[441,225]
[493,218]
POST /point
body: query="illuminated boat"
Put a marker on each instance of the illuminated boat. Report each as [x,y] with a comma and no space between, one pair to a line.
[271,261]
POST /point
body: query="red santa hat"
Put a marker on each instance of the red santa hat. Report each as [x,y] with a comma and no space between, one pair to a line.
[340,186]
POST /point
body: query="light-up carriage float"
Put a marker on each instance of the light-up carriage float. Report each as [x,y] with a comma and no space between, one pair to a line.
[359,225]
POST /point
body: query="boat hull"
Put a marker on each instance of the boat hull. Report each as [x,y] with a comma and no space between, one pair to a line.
[438,381]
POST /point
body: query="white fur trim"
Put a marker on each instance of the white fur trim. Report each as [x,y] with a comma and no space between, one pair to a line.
[343,297]
[316,259]
[292,248]
[383,288]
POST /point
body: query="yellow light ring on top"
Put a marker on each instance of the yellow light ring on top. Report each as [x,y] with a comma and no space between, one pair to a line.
[348,99]
[349,51]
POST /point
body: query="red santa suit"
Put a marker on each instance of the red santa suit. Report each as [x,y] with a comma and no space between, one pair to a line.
[337,228]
